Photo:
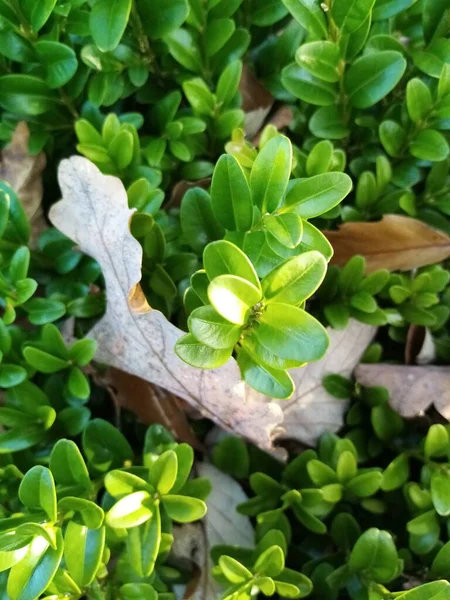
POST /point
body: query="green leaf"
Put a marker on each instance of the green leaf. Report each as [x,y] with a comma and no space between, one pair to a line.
[233,570]
[183,48]
[184,509]
[436,441]
[287,228]
[213,330]
[309,14]
[375,553]
[338,386]
[108,20]
[301,84]
[230,195]
[365,485]
[328,122]
[11,375]
[393,137]
[316,195]
[224,258]
[30,577]
[37,14]
[143,544]
[130,511]
[233,297]
[162,16]
[37,490]
[217,34]
[429,145]
[83,351]
[396,473]
[43,361]
[349,15]
[321,59]
[137,591]
[319,159]
[196,354]
[418,100]
[200,97]
[437,590]
[291,333]
[59,60]
[295,280]
[105,446]
[274,383]
[89,513]
[83,551]
[441,563]
[163,472]
[313,239]
[440,492]
[271,562]
[385,9]
[228,84]
[372,77]
[198,222]
[270,174]
[27,95]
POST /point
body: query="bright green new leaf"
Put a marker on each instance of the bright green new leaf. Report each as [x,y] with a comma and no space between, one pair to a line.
[224,258]
[143,545]
[292,333]
[83,551]
[29,578]
[313,196]
[295,280]
[440,492]
[184,509]
[272,382]
[196,354]
[130,511]
[233,570]
[233,297]
[212,329]
[286,228]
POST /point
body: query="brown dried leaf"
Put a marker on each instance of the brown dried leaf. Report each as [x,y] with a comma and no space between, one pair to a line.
[413,389]
[396,243]
[414,343]
[222,525]
[151,404]
[180,188]
[312,410]
[23,172]
[257,102]
[133,337]
[281,118]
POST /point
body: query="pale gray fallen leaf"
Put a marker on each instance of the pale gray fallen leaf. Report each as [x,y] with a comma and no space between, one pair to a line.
[312,410]
[131,336]
[413,389]
[222,525]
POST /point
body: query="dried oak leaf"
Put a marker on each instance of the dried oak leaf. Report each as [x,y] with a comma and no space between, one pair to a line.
[23,172]
[151,404]
[223,525]
[131,336]
[413,389]
[257,102]
[396,243]
[312,410]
